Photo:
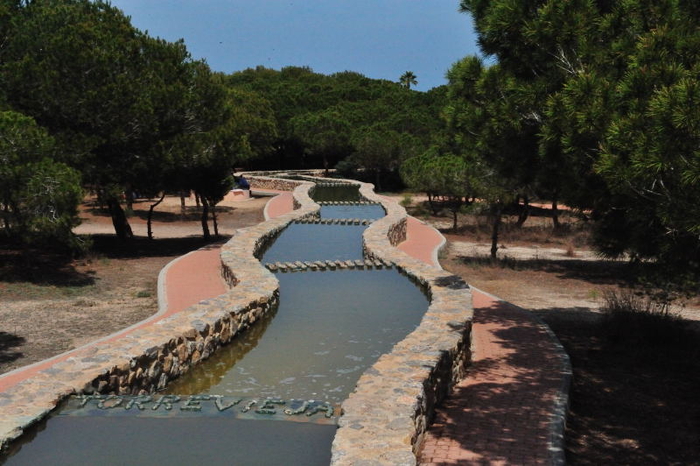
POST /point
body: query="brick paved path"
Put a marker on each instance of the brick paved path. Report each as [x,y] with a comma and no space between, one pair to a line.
[506,410]
[510,408]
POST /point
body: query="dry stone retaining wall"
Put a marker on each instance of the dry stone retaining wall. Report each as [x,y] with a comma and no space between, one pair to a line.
[145,359]
[383,420]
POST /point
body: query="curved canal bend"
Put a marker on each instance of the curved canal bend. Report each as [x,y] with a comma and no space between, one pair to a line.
[329,327]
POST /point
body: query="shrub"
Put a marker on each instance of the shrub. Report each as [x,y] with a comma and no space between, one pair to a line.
[633,319]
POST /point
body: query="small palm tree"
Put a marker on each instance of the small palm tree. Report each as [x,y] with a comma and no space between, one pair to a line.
[408,79]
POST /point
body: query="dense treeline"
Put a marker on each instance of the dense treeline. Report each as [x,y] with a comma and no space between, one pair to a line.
[89,101]
[344,118]
[589,102]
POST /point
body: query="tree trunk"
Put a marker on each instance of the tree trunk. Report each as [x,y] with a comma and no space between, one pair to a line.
[496,213]
[455,204]
[119,220]
[214,221]
[150,215]
[182,205]
[196,199]
[205,218]
[555,214]
[524,212]
[431,203]
[377,177]
[129,197]
[6,217]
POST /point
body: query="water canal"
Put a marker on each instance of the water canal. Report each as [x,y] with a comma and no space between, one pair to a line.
[329,327]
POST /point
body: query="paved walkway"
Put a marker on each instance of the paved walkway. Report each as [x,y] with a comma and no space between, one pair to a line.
[507,411]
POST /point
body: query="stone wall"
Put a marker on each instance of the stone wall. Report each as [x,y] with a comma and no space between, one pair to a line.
[385,419]
[145,359]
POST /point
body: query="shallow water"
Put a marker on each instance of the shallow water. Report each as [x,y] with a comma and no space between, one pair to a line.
[371,212]
[316,242]
[324,335]
[328,329]
[336,193]
[184,440]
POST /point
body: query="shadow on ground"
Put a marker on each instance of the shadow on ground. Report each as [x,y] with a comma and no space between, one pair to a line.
[110,246]
[41,267]
[600,272]
[8,345]
[628,405]
[503,415]
[191,213]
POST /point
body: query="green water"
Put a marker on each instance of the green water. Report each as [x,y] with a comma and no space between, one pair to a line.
[312,242]
[186,441]
[371,212]
[336,193]
[328,329]
[324,335]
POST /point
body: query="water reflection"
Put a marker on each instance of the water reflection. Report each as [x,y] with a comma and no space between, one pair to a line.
[322,193]
[329,328]
[371,212]
[310,242]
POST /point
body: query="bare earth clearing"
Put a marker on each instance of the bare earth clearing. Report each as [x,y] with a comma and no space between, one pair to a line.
[50,306]
[628,405]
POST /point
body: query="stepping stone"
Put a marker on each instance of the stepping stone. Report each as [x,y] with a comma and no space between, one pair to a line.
[300,265]
[359,264]
[349,264]
[271,267]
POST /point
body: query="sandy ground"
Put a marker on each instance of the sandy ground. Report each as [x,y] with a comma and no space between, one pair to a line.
[49,307]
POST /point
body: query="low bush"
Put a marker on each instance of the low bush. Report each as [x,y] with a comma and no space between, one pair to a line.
[634,319]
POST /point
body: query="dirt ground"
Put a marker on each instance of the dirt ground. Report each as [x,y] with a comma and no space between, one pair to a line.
[50,305]
[629,405]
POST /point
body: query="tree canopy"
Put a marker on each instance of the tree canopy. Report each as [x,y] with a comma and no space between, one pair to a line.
[128,111]
[592,103]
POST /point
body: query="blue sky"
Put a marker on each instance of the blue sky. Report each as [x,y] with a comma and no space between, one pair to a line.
[378,38]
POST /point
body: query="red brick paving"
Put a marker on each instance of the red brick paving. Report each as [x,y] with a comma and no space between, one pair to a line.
[499,414]
[502,412]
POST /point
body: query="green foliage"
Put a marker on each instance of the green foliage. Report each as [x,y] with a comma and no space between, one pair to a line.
[408,79]
[347,104]
[606,94]
[128,111]
[38,196]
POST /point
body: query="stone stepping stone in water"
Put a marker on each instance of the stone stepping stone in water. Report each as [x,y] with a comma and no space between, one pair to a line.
[271,267]
[360,264]
[330,265]
[321,265]
[300,265]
